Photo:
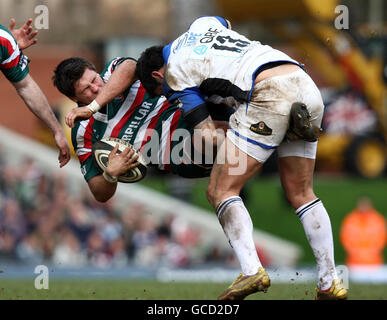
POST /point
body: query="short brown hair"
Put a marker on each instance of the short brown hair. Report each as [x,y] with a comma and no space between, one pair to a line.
[68,72]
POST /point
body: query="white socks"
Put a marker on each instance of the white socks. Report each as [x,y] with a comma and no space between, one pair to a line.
[238,228]
[317,226]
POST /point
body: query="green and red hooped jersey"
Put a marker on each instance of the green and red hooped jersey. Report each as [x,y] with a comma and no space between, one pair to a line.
[13,63]
[137,118]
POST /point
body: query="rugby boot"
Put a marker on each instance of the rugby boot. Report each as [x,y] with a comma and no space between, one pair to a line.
[335,292]
[246,285]
[300,126]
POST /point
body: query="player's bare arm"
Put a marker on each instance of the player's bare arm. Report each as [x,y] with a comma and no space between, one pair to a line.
[104,186]
[24,36]
[35,100]
[120,80]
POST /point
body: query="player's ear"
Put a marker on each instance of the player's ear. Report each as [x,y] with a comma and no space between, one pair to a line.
[228,24]
[157,75]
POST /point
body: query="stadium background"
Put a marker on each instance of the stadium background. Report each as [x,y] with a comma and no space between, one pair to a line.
[43,222]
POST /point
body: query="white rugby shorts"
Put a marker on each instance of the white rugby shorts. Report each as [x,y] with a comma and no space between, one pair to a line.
[259,127]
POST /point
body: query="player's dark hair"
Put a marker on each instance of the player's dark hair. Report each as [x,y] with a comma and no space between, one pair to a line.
[68,72]
[151,60]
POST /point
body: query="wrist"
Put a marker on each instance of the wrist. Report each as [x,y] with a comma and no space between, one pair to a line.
[93,106]
[57,131]
[109,178]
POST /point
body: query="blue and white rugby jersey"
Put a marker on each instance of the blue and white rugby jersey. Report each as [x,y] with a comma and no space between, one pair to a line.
[210,62]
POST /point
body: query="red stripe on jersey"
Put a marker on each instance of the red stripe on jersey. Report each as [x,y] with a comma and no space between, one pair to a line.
[7,44]
[113,65]
[11,64]
[88,134]
[174,122]
[152,124]
[82,158]
[87,140]
[137,101]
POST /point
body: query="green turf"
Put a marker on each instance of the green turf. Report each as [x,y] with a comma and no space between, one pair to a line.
[11,289]
[270,211]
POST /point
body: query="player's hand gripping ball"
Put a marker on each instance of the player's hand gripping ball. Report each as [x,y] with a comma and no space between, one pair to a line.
[101,150]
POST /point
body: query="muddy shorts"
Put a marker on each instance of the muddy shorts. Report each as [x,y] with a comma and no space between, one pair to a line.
[259,127]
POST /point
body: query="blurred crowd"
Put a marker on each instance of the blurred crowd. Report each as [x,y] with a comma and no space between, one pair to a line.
[41,222]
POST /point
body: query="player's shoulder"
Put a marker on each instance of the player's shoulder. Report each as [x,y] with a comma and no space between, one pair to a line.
[2,28]
[82,128]
[112,65]
[6,36]
[211,20]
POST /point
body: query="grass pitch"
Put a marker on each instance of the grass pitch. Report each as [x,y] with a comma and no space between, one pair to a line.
[65,289]
[270,211]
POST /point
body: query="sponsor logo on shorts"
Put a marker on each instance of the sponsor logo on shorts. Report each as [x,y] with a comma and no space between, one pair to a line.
[261,128]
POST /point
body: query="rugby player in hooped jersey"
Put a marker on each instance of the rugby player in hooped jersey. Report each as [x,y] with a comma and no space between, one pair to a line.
[14,65]
[278,106]
[149,123]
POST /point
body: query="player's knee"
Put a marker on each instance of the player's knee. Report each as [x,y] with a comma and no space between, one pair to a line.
[214,195]
[210,193]
[299,197]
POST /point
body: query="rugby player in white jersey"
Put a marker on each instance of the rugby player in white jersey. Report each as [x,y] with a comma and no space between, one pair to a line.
[278,107]
[14,65]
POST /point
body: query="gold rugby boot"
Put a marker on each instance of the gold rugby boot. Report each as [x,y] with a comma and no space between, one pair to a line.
[335,292]
[246,285]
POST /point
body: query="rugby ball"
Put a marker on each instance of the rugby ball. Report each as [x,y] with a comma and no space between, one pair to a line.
[101,150]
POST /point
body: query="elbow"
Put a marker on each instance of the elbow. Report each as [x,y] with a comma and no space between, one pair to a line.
[101,190]
[24,84]
[102,197]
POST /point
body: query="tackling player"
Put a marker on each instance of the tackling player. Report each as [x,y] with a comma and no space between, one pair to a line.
[14,65]
[149,123]
[275,98]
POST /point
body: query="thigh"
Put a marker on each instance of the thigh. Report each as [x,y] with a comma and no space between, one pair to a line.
[296,175]
[259,125]
[232,169]
[264,121]
[297,148]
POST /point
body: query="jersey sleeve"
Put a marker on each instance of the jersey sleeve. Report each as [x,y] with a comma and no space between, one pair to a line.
[222,21]
[192,103]
[13,63]
[111,66]
[81,136]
